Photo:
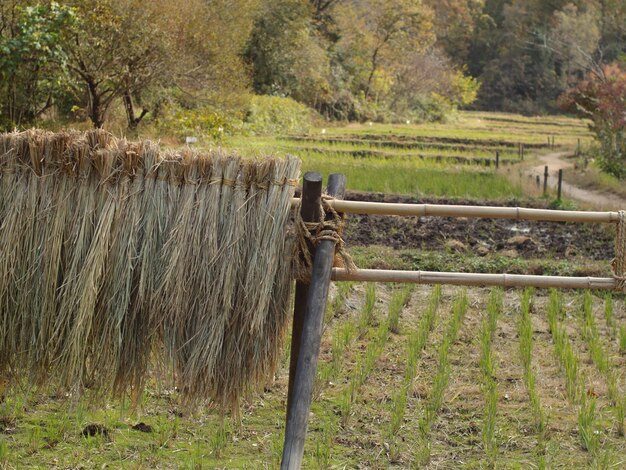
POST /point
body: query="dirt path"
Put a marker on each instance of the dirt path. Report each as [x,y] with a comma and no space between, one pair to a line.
[596,198]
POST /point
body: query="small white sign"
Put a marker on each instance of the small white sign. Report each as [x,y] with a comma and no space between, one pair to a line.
[191,140]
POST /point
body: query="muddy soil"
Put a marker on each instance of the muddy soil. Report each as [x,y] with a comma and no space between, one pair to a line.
[556,240]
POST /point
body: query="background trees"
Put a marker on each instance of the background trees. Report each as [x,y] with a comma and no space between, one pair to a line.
[347,59]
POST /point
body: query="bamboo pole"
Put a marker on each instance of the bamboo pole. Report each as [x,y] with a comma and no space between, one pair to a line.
[441,210]
[472,279]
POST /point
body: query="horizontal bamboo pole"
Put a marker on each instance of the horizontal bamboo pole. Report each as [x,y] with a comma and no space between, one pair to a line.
[472,279]
[441,210]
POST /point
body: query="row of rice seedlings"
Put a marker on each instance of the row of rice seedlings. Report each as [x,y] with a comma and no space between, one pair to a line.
[415,345]
[365,361]
[364,365]
[488,369]
[440,383]
[525,332]
[342,338]
[574,379]
[600,358]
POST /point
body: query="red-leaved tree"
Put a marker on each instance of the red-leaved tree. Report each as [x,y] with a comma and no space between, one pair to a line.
[601,97]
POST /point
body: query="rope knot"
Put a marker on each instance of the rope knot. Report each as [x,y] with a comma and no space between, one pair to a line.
[329,227]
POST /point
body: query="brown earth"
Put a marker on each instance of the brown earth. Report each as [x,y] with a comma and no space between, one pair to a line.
[556,240]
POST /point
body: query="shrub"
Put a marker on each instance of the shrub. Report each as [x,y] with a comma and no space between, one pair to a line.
[277,115]
[197,122]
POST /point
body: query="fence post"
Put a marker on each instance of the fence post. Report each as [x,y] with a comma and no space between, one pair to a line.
[310,212]
[522,151]
[559,184]
[545,180]
[497,159]
[301,386]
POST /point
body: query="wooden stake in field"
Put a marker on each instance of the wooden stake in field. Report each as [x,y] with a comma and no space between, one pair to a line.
[301,386]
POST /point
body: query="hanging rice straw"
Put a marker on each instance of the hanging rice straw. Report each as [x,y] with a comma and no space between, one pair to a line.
[117,257]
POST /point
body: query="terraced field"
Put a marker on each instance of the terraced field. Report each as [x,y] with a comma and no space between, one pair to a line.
[456,159]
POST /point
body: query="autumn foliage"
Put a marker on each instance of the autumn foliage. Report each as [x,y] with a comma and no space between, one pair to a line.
[601,97]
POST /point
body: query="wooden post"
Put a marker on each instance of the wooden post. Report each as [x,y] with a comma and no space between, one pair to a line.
[578,152]
[519,150]
[560,184]
[545,180]
[300,395]
[522,151]
[538,181]
[310,212]
[497,159]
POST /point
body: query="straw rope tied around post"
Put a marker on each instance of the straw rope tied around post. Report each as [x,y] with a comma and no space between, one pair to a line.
[330,227]
[619,263]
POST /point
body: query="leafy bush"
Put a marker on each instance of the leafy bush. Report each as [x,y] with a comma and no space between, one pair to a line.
[198,122]
[277,115]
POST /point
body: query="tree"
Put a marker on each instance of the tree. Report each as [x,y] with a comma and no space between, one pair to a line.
[115,52]
[601,97]
[33,63]
[285,53]
[378,35]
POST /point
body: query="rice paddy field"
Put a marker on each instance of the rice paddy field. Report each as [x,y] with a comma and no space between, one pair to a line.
[408,376]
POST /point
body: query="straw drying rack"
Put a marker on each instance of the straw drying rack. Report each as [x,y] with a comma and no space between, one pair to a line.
[311,295]
[113,250]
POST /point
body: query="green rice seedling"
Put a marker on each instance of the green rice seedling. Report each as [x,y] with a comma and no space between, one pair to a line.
[367,317]
[622,339]
[323,444]
[398,301]
[609,314]
[620,411]
[219,438]
[4,451]
[586,418]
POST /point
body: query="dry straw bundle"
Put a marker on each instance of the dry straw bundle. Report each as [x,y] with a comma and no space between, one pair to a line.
[116,254]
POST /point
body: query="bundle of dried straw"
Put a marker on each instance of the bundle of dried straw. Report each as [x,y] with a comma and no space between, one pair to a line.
[116,254]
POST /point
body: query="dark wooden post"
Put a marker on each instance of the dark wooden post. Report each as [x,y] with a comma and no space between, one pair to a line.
[310,212]
[545,180]
[522,151]
[497,159]
[559,184]
[301,386]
